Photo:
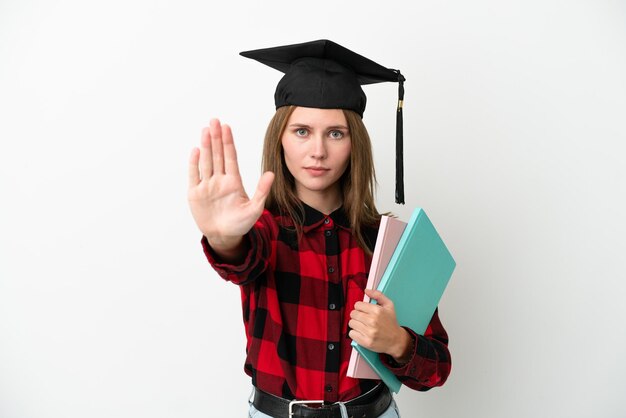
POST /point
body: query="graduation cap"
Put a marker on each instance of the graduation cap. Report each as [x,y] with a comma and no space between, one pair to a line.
[326,75]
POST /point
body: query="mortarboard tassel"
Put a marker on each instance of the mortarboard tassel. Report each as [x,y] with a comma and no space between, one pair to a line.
[399,142]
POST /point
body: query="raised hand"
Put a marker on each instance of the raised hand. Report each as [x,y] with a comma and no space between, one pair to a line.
[219,204]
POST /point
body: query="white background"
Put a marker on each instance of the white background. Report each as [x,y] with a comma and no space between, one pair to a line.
[515,130]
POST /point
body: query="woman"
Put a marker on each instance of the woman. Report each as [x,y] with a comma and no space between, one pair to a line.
[300,249]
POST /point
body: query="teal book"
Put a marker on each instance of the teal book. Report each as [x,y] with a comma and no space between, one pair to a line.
[415,278]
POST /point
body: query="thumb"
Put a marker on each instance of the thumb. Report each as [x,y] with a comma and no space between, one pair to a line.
[263,188]
[379,296]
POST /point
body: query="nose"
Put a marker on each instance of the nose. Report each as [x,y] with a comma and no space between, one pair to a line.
[318,147]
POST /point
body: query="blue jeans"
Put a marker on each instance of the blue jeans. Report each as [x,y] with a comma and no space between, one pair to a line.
[391,412]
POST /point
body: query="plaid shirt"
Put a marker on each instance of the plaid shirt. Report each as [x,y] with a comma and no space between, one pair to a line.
[297,298]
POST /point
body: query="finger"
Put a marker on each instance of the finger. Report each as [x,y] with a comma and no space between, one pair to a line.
[355,335]
[360,339]
[194,173]
[263,188]
[206,163]
[218,148]
[358,327]
[361,317]
[230,153]
[379,296]
[366,307]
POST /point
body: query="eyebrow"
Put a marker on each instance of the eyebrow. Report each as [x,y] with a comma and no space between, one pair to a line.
[304,125]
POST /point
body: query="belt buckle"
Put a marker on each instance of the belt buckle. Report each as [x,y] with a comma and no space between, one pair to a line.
[294,402]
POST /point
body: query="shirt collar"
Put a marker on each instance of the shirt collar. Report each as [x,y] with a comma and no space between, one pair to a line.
[314,218]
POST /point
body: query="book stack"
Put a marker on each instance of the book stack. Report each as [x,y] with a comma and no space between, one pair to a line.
[412,266]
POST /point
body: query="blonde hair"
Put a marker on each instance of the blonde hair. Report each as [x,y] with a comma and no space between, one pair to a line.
[357,183]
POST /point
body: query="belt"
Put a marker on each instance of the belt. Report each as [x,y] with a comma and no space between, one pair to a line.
[369,405]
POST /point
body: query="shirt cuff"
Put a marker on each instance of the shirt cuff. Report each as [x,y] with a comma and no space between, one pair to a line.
[411,367]
[227,269]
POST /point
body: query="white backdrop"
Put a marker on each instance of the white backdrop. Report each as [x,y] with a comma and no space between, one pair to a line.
[514,123]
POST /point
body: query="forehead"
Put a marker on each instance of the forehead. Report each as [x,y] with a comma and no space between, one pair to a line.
[313,116]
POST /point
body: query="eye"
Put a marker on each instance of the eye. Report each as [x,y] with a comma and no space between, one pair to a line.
[335,134]
[301,132]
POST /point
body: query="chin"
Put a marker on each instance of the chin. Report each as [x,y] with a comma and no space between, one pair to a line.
[315,186]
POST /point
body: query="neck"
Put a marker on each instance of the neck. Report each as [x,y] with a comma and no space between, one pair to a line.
[326,202]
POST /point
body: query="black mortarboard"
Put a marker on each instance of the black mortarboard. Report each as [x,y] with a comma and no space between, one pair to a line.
[326,75]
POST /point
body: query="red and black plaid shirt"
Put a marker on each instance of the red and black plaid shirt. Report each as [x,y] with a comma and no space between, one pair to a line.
[297,297]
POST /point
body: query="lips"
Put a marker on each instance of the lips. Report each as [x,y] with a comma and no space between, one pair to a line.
[316,171]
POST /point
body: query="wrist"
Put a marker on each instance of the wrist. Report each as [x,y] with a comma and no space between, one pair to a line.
[228,249]
[223,243]
[403,350]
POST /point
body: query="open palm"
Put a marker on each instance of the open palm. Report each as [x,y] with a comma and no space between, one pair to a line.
[217,199]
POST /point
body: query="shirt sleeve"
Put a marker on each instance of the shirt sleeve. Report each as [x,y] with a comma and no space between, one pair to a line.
[430,363]
[259,244]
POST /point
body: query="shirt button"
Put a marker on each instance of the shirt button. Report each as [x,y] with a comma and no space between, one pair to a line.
[328,233]
[331,346]
[326,221]
[331,270]
[332,306]
[329,388]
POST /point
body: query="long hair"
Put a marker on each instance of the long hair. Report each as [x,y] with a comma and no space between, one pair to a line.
[357,182]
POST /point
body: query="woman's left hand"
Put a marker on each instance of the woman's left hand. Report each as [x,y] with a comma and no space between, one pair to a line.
[375,327]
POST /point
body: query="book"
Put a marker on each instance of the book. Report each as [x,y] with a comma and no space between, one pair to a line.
[389,234]
[415,279]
